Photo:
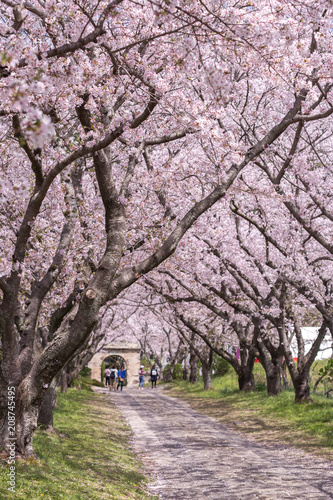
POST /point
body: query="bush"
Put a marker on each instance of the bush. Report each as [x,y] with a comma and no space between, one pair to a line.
[86,387]
[86,372]
[261,387]
[165,372]
[96,382]
[220,366]
[327,373]
[146,363]
[77,382]
[177,372]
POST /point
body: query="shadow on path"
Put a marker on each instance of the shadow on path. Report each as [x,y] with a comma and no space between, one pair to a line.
[194,457]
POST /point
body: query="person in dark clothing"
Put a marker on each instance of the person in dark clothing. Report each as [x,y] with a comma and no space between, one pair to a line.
[121,378]
[107,377]
[153,376]
[113,378]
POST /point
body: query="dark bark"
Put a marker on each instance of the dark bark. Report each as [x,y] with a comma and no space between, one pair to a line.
[204,354]
[207,370]
[246,380]
[28,401]
[247,356]
[186,368]
[300,373]
[302,388]
[271,358]
[284,375]
[63,383]
[45,416]
[273,377]
[193,367]
[55,397]
[207,375]
[186,373]
[83,355]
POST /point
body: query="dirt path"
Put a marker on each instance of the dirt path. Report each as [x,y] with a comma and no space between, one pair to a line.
[194,457]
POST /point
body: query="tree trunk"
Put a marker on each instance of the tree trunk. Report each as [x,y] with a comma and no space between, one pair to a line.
[19,421]
[300,373]
[193,368]
[26,424]
[273,378]
[55,398]
[245,373]
[271,361]
[28,400]
[284,375]
[45,416]
[186,368]
[302,388]
[207,376]
[63,381]
[168,376]
[7,391]
[49,403]
[246,381]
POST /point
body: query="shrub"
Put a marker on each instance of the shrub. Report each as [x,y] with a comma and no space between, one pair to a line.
[86,372]
[220,366]
[89,382]
[177,372]
[77,382]
[146,363]
[327,373]
[97,382]
[166,372]
[261,387]
[86,387]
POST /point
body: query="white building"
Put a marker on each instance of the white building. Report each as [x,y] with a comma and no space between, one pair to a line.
[309,334]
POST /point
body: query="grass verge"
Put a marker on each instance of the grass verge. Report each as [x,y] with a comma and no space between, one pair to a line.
[88,458]
[264,418]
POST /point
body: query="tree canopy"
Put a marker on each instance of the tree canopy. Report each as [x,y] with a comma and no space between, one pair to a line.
[134,132]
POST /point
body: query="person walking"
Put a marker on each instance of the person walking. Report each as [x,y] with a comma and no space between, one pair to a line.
[141,377]
[153,376]
[113,378]
[107,376]
[121,378]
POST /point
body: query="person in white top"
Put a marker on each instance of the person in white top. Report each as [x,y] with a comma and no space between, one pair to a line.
[107,376]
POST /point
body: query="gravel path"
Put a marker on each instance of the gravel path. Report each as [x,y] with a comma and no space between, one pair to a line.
[192,456]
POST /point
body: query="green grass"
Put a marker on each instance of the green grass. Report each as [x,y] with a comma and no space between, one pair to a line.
[88,458]
[262,417]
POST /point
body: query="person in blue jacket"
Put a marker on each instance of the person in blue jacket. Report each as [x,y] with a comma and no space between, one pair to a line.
[121,378]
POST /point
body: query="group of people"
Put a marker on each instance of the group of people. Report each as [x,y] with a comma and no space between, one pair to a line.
[114,378]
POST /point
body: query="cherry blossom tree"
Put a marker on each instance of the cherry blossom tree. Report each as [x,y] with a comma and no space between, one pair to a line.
[258,271]
[123,123]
